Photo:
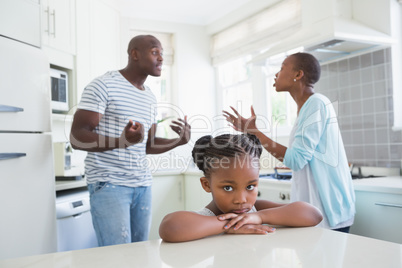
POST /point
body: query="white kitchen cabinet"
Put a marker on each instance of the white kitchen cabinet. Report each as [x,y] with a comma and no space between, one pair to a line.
[378,215]
[274,190]
[98,41]
[167,197]
[196,197]
[27,195]
[58,25]
[27,192]
[24,101]
[20,20]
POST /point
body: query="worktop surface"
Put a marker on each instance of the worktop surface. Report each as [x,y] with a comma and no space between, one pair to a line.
[390,184]
[287,247]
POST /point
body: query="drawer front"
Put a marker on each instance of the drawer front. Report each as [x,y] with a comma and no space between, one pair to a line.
[275,192]
[378,215]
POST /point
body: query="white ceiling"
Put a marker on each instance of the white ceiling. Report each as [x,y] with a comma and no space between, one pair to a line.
[198,12]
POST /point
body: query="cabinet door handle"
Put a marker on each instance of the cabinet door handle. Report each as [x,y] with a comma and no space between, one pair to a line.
[48,21]
[388,205]
[10,109]
[54,23]
[5,156]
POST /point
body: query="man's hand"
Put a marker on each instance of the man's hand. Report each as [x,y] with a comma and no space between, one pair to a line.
[132,134]
[183,129]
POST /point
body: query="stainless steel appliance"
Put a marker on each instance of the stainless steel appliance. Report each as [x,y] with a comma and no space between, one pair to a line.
[74,221]
[27,192]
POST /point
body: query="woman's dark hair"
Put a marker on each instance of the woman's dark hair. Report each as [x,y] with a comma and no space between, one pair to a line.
[310,66]
[207,150]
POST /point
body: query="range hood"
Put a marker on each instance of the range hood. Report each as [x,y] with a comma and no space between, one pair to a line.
[342,29]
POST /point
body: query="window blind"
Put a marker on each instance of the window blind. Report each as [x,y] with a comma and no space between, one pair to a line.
[257,33]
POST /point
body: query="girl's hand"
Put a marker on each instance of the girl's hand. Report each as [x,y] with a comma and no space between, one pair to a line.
[238,220]
[251,229]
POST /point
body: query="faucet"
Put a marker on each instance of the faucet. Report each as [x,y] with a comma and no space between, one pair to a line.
[359,170]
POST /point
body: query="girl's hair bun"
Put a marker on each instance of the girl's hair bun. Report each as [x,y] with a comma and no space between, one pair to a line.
[199,150]
[256,145]
[207,149]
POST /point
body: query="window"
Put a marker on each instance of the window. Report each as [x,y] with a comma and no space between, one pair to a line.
[284,109]
[237,89]
[239,83]
[234,86]
[160,86]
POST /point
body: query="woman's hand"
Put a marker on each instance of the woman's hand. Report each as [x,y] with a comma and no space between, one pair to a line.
[183,129]
[239,123]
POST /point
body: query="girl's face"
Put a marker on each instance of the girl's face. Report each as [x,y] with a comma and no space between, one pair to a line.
[234,185]
[284,79]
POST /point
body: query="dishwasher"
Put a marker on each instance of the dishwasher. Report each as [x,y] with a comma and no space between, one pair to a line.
[74,221]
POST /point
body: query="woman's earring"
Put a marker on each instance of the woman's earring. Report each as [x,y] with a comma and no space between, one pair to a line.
[294,80]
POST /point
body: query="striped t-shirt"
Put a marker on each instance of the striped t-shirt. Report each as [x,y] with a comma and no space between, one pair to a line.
[118,101]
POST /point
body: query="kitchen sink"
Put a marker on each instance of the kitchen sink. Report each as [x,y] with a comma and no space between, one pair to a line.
[277,176]
[357,176]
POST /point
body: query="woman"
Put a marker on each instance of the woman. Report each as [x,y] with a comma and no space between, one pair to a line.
[316,153]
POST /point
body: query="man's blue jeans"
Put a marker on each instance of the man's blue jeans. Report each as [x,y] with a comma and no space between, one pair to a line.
[120,214]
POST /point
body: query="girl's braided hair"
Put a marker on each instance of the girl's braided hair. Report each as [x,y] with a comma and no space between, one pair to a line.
[207,150]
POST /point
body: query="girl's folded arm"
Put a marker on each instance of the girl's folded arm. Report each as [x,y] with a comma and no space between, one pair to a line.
[296,214]
[183,226]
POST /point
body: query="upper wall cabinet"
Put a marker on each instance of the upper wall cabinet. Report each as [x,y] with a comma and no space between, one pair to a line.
[98,41]
[20,20]
[58,25]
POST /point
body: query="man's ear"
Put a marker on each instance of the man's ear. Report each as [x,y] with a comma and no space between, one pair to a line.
[205,184]
[133,54]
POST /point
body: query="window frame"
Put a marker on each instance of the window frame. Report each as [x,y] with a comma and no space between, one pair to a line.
[261,99]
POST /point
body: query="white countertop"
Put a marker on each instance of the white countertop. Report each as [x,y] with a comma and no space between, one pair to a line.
[287,247]
[388,184]
[70,184]
[391,184]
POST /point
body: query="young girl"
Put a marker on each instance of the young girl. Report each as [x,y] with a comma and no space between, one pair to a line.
[230,164]
[316,155]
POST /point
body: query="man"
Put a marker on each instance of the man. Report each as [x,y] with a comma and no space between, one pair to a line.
[115,122]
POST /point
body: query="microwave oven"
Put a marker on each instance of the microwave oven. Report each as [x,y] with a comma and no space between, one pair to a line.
[59,89]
